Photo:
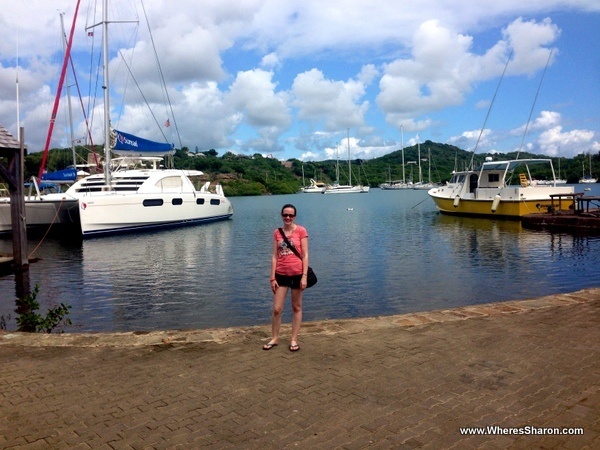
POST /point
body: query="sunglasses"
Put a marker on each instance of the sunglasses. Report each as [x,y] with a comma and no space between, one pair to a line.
[288,215]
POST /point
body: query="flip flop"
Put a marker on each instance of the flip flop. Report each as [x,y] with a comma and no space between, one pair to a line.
[294,347]
[269,346]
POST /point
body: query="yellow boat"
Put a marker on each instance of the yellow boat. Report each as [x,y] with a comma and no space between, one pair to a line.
[489,191]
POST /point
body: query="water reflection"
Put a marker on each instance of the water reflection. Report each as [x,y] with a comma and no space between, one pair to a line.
[513,262]
[158,277]
[378,254]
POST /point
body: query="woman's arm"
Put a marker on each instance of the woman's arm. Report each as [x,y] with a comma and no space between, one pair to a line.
[274,259]
[304,242]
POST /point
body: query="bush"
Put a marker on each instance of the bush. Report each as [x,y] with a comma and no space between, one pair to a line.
[28,320]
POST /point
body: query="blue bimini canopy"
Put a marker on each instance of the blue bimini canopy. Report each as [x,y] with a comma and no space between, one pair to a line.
[128,144]
[68,175]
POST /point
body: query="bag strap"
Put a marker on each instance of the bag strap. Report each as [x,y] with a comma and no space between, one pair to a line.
[291,247]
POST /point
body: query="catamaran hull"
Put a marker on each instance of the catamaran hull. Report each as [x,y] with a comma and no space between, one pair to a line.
[115,214]
[42,213]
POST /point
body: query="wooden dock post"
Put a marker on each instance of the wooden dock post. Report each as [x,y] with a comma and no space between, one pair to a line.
[14,151]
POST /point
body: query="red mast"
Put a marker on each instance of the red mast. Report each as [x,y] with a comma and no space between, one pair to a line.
[58,92]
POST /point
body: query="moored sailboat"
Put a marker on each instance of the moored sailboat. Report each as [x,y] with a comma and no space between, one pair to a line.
[337,188]
[586,179]
[422,185]
[43,209]
[394,185]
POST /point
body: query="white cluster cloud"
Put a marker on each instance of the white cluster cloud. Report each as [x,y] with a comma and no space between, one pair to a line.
[552,136]
[290,78]
[336,102]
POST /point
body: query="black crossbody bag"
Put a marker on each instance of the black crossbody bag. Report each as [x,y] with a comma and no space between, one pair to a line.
[311,277]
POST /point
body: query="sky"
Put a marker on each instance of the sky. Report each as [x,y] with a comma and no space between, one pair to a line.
[297,78]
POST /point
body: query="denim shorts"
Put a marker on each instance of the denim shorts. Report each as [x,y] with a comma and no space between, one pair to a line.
[291,281]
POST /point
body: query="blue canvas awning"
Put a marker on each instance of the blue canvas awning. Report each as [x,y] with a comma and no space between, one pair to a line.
[125,143]
[68,175]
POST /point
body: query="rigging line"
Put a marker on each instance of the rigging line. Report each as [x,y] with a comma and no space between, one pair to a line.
[91,7]
[490,108]
[126,86]
[533,105]
[92,93]
[85,118]
[48,229]
[143,96]
[427,198]
[162,75]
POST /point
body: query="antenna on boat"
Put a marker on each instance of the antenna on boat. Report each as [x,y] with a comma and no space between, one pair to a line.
[533,105]
[490,108]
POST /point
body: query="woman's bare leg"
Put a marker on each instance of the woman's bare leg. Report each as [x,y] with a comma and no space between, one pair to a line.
[278,301]
[297,314]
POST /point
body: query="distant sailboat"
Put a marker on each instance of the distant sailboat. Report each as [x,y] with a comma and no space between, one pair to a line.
[588,179]
[421,184]
[337,188]
[395,185]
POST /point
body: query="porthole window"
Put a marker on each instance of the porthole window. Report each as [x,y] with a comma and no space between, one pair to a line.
[177,201]
[153,202]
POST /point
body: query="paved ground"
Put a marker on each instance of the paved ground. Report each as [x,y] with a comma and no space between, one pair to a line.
[409,381]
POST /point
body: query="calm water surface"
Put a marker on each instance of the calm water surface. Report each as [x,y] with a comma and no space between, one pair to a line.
[382,253]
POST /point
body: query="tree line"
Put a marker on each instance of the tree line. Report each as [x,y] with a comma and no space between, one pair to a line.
[260,175]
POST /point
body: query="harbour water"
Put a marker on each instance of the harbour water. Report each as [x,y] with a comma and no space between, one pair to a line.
[381,253]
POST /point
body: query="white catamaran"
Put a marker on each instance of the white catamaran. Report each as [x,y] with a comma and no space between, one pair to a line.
[134,193]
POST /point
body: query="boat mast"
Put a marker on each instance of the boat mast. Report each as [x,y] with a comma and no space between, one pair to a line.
[349,167]
[106,94]
[419,154]
[71,135]
[429,164]
[337,164]
[403,170]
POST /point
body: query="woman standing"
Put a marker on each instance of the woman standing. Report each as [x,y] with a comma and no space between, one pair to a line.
[288,271]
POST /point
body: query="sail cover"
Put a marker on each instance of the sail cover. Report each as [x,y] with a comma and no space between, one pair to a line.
[125,143]
[67,175]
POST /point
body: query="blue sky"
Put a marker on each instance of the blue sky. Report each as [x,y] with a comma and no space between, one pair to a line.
[291,78]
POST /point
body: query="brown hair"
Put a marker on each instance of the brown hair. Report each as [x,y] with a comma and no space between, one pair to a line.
[289,206]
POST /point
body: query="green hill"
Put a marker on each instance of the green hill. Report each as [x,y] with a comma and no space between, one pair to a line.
[258,175]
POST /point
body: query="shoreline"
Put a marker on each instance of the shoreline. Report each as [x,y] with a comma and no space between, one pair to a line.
[324,327]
